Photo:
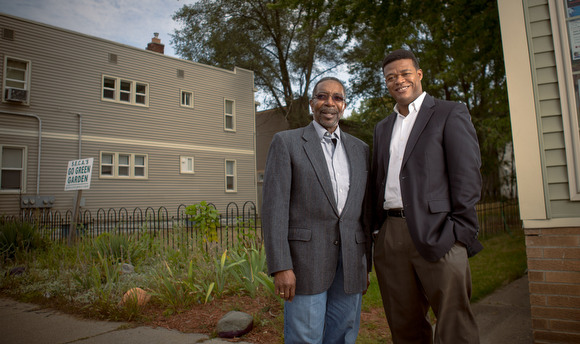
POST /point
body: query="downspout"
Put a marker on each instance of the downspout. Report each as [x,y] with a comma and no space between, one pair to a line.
[39,143]
[80,135]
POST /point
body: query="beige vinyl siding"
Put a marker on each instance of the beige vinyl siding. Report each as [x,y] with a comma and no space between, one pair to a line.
[66,87]
[553,150]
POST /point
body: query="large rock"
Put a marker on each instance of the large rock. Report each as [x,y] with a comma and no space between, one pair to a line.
[235,324]
[127,269]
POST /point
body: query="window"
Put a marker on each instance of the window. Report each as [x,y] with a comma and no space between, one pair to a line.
[186,98]
[16,82]
[229,115]
[123,165]
[140,165]
[230,176]
[186,164]
[141,93]
[125,91]
[107,166]
[12,166]
[566,30]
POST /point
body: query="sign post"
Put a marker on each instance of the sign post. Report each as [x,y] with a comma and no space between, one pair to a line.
[78,177]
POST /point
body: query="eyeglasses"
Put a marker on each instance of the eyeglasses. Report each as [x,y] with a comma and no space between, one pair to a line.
[337,98]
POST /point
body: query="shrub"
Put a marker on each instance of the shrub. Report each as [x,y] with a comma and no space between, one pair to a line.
[15,236]
[118,248]
[206,218]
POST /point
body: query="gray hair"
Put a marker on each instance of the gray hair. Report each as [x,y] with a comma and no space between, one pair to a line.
[329,78]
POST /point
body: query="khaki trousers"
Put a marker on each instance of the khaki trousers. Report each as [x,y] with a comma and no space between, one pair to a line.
[409,284]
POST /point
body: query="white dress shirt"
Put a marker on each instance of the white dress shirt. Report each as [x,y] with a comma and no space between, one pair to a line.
[401,131]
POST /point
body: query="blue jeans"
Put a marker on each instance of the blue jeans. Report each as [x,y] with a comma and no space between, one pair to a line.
[331,317]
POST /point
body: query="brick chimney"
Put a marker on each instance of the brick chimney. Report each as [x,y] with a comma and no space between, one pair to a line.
[155,44]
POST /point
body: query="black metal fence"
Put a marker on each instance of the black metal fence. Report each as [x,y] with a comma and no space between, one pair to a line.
[498,216]
[233,225]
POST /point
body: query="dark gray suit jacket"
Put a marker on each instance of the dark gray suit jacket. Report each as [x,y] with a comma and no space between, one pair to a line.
[440,178]
[300,221]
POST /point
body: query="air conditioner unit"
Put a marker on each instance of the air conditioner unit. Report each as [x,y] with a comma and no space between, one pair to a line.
[16,94]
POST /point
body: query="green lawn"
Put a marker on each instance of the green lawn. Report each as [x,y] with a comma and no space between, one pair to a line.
[502,261]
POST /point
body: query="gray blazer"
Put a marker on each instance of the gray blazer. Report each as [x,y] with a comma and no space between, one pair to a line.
[300,221]
[440,177]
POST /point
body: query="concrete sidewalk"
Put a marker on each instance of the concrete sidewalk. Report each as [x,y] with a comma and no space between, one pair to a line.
[23,323]
[503,317]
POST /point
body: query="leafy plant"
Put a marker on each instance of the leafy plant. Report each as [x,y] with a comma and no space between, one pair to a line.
[202,287]
[15,236]
[118,248]
[172,291]
[222,271]
[251,262]
[206,218]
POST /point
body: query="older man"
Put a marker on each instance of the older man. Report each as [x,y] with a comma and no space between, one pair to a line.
[312,217]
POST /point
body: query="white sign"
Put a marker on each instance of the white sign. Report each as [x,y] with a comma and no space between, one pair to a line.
[78,174]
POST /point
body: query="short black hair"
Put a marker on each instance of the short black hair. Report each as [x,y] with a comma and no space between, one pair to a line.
[328,78]
[400,54]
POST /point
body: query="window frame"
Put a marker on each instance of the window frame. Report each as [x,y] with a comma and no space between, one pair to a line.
[181,93]
[118,91]
[568,98]
[116,165]
[23,169]
[26,80]
[183,162]
[230,115]
[234,176]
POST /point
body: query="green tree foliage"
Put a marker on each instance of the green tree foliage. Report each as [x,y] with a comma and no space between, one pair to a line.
[458,44]
[289,43]
[285,47]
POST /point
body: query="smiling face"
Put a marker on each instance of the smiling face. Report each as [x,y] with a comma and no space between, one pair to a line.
[326,104]
[403,82]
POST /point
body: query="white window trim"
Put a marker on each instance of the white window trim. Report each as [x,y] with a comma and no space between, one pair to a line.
[233,115]
[183,165]
[26,81]
[117,90]
[235,175]
[567,96]
[24,169]
[115,166]
[181,92]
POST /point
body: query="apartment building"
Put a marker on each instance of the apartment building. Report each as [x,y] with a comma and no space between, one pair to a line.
[162,131]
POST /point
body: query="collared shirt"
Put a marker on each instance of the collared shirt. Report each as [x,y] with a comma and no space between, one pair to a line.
[337,163]
[399,138]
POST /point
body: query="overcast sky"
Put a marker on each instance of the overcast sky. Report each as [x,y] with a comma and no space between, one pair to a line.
[130,22]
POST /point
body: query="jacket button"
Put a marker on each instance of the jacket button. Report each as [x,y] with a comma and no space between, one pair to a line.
[336,242]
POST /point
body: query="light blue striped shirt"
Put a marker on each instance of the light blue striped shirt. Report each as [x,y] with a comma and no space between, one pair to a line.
[337,163]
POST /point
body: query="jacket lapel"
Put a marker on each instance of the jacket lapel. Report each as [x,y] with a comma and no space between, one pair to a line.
[423,117]
[315,154]
[386,141]
[356,164]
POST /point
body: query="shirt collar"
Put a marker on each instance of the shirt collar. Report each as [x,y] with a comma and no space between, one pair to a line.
[415,105]
[320,130]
